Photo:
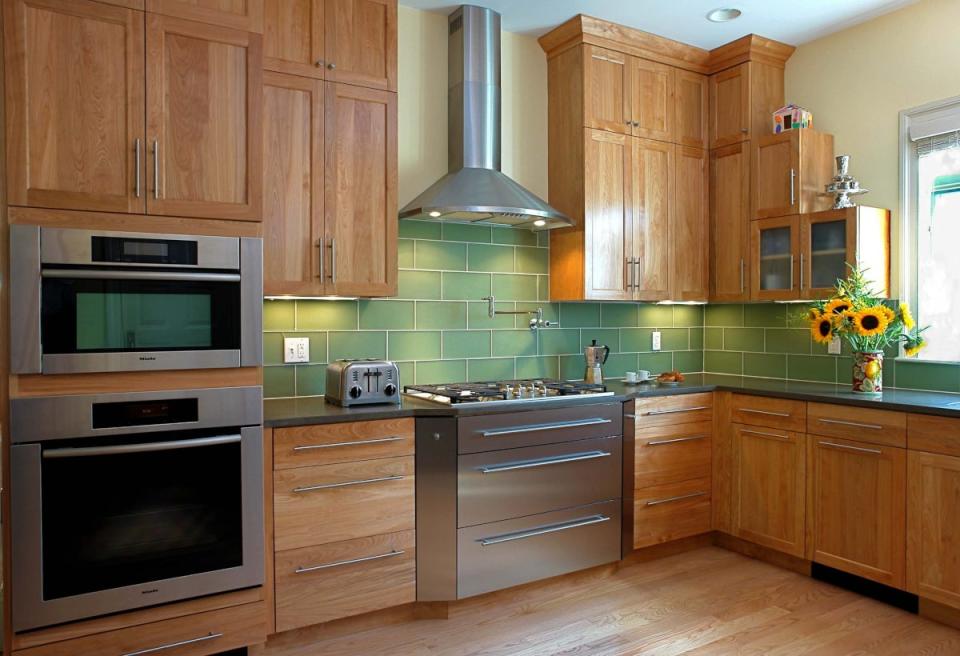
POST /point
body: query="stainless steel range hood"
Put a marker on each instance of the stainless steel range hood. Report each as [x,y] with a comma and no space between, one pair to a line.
[475,191]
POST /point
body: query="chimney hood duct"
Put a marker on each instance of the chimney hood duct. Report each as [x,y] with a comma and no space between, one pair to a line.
[475,191]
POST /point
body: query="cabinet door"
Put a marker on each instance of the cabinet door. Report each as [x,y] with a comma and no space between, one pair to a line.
[204,99]
[606,90]
[775,250]
[858,506]
[293,37]
[776,171]
[361,42]
[691,226]
[246,15]
[360,198]
[653,193]
[933,532]
[690,109]
[827,242]
[729,223]
[293,185]
[730,106]
[74,103]
[608,216]
[769,488]
[652,99]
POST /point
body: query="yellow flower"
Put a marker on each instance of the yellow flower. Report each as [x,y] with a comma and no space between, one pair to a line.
[870,321]
[891,315]
[837,306]
[912,350]
[906,317]
[821,329]
[813,314]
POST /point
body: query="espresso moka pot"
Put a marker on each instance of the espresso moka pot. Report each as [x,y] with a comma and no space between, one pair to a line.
[596,356]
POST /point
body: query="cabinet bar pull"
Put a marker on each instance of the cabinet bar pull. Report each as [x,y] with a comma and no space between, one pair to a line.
[540,462]
[311,488]
[791,272]
[308,447]
[543,427]
[322,252]
[850,423]
[543,530]
[629,273]
[676,440]
[657,502]
[174,645]
[793,186]
[765,412]
[156,170]
[653,413]
[636,276]
[136,150]
[785,438]
[314,568]
[834,445]
[801,271]
[333,259]
[743,283]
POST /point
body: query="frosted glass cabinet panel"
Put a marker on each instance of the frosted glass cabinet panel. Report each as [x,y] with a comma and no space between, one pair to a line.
[775,246]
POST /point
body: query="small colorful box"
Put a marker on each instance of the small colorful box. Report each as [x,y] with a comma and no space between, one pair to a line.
[791,117]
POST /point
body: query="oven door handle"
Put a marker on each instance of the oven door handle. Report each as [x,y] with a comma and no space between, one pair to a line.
[120,449]
[101,274]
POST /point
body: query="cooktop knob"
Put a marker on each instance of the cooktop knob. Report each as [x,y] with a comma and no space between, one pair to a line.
[389,389]
[355,392]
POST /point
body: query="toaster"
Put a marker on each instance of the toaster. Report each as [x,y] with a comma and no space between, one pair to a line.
[357,382]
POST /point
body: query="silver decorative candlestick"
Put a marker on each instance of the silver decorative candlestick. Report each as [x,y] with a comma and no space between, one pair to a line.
[844,185]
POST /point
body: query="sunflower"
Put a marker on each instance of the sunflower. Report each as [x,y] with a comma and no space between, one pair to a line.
[821,329]
[838,306]
[891,315]
[912,349]
[813,314]
[870,321]
[906,317]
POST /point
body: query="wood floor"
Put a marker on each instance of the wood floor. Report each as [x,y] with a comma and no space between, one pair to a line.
[705,602]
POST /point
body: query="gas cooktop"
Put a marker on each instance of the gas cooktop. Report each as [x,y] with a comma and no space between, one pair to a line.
[504,391]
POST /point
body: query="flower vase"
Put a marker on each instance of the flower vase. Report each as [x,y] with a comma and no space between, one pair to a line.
[868,372]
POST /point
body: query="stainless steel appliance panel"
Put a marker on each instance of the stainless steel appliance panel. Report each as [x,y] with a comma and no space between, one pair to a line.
[499,485]
[73,247]
[25,299]
[504,554]
[436,469]
[251,305]
[519,429]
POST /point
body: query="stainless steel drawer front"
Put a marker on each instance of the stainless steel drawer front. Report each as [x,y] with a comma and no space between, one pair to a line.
[520,429]
[543,530]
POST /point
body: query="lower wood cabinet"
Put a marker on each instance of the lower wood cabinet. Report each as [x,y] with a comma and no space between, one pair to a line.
[671,511]
[933,526]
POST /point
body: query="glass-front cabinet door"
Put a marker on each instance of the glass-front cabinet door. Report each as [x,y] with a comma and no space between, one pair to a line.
[775,247]
[828,243]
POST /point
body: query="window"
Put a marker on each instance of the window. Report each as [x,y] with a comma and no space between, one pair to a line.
[930,207]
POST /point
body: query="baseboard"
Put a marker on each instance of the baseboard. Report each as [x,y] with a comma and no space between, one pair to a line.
[766,554]
[938,612]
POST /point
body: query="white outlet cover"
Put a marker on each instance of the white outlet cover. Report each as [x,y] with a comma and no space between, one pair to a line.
[296,349]
[833,348]
[655,346]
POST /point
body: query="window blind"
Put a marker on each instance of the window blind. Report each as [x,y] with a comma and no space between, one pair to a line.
[933,122]
[939,142]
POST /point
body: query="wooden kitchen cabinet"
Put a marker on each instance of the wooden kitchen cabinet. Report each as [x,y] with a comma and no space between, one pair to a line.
[246,15]
[606,90]
[361,42]
[652,99]
[775,259]
[690,241]
[832,238]
[691,109]
[790,171]
[730,223]
[293,37]
[933,532]
[653,187]
[742,101]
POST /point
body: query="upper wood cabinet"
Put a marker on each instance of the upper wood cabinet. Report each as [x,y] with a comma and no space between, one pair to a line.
[830,239]
[730,223]
[246,15]
[652,107]
[653,189]
[790,172]
[775,259]
[933,506]
[293,32]
[690,239]
[606,90]
[742,100]
[691,109]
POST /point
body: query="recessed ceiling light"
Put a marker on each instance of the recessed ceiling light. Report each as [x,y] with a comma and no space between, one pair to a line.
[539,223]
[434,214]
[723,14]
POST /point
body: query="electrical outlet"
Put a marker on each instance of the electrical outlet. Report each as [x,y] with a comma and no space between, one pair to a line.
[656,341]
[296,349]
[833,348]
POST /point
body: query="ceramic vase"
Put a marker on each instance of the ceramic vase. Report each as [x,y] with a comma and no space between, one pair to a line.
[868,372]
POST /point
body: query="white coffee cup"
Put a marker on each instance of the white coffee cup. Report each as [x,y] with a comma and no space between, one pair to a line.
[642,375]
[630,377]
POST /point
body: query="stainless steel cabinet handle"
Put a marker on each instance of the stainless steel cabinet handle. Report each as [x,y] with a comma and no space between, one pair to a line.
[850,423]
[331,66]
[676,440]
[657,502]
[100,274]
[764,412]
[653,413]
[309,447]
[543,530]
[793,185]
[333,259]
[314,568]
[323,253]
[136,150]
[801,271]
[121,449]
[744,130]
[858,449]
[540,462]
[785,438]
[156,169]
[629,261]
[791,271]
[494,432]
[327,486]
[636,276]
[743,281]
[174,645]
[319,62]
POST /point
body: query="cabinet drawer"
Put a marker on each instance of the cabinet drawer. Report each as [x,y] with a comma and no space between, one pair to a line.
[303,446]
[772,413]
[518,482]
[330,503]
[516,429]
[863,424]
[672,410]
[201,634]
[341,579]
[670,455]
[933,434]
[672,511]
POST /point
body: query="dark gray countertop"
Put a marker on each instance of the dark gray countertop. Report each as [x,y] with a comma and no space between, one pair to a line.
[314,410]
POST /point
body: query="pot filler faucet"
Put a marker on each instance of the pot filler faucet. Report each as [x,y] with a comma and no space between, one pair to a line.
[536,321]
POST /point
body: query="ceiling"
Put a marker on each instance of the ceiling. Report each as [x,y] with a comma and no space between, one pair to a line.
[790,21]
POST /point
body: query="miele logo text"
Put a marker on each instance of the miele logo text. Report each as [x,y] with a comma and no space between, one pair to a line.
[150,591]
[147,357]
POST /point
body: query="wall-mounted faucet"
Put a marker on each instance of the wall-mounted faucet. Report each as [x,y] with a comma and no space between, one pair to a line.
[536,321]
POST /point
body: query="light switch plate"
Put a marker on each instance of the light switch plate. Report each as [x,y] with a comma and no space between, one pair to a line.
[833,348]
[655,346]
[296,349]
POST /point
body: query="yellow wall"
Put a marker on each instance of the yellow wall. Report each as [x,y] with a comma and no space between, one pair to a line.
[422,109]
[858,80]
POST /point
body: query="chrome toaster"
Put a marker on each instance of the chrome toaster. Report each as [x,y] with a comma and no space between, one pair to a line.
[357,382]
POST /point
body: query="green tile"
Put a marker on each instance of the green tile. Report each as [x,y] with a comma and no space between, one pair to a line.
[674,339]
[723,362]
[788,340]
[464,232]
[543,238]
[579,315]
[419,229]
[696,339]
[765,315]
[542,367]
[688,315]
[514,236]
[466,286]
[441,255]
[406,373]
[820,368]
[441,371]
[405,253]
[572,367]
[713,339]
[413,345]
[418,284]
[604,336]
[514,287]
[279,381]
[384,315]
[765,365]
[845,371]
[723,315]
[326,315]
[797,316]
[743,339]
[635,339]
[466,344]
[559,341]
[441,314]
[618,315]
[479,317]
[551,311]
[688,362]
[533,260]
[273,347]
[655,363]
[311,380]
[279,315]
[491,369]
[486,257]
[514,342]
[915,374]
[363,344]
[618,364]
[655,316]
[543,288]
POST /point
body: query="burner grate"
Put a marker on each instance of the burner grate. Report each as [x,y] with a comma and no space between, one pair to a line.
[504,390]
